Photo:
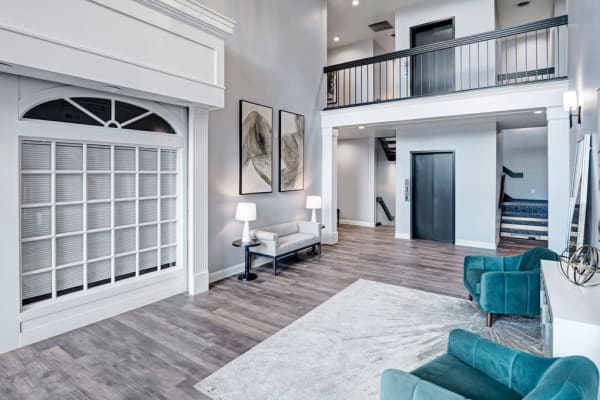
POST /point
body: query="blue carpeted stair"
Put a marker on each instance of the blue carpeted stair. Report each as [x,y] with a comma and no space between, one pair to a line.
[525,219]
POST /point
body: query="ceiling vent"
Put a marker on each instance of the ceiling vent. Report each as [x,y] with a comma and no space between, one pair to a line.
[380,26]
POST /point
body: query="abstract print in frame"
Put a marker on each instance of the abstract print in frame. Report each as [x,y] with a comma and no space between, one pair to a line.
[256,148]
[291,151]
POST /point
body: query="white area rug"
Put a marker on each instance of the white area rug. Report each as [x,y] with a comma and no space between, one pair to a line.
[339,349]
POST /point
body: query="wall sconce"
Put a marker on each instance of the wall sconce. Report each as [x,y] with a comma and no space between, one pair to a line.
[571,105]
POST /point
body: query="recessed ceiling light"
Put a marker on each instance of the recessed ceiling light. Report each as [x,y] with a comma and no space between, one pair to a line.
[112,89]
[5,65]
[538,112]
[336,38]
[361,127]
[355,3]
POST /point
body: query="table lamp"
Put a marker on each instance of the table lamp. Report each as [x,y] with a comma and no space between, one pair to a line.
[246,212]
[313,202]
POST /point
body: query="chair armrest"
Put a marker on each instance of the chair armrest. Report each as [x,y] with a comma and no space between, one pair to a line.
[265,235]
[511,292]
[400,385]
[310,228]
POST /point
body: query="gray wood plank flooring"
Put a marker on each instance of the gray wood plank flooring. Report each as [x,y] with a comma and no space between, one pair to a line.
[160,351]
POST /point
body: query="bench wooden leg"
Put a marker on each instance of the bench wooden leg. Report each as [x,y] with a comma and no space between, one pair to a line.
[490,320]
[470,297]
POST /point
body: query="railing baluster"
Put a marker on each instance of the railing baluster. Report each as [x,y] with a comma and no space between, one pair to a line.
[547,57]
[516,57]
[537,68]
[487,62]
[526,64]
[558,52]
[478,67]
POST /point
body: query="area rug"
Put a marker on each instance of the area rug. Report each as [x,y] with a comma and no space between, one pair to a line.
[339,349]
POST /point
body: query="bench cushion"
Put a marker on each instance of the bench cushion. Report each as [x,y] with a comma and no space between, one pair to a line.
[295,241]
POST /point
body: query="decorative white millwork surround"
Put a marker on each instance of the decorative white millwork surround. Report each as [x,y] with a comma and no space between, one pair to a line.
[559,171]
[168,51]
[198,278]
[329,194]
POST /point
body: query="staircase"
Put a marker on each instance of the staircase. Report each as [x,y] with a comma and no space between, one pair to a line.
[525,219]
[389,147]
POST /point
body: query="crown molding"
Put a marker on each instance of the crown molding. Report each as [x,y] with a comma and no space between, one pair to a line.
[193,13]
[189,12]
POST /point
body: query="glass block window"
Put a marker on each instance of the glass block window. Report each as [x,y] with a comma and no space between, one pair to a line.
[94,214]
[94,111]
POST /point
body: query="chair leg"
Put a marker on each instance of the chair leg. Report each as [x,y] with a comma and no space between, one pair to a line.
[470,297]
[490,319]
[274,265]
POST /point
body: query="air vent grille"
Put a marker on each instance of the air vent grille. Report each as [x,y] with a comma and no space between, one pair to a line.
[380,26]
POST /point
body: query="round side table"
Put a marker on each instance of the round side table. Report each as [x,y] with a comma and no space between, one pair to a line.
[247,275]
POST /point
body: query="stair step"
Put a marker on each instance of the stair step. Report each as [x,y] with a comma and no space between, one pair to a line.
[525,221]
[525,232]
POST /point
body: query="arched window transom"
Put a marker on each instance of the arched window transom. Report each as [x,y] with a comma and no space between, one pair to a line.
[96,111]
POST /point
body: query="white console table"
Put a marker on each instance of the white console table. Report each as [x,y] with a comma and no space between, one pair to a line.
[570,316]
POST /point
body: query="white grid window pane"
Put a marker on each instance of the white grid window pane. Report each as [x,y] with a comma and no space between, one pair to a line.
[36,155]
[124,158]
[69,156]
[36,285]
[36,255]
[69,218]
[168,184]
[124,213]
[147,211]
[35,222]
[168,257]
[148,159]
[124,186]
[35,189]
[148,260]
[98,216]
[168,233]
[98,187]
[98,245]
[168,160]
[124,267]
[69,249]
[148,236]
[98,273]
[69,187]
[98,158]
[124,240]
[167,209]
[148,185]
[69,280]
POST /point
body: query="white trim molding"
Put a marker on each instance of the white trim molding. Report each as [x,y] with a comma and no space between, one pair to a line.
[402,235]
[357,223]
[477,244]
[329,185]
[226,272]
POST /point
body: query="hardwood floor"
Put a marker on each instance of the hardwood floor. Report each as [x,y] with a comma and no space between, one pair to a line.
[160,351]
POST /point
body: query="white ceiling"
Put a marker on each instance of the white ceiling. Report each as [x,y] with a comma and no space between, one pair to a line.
[351,23]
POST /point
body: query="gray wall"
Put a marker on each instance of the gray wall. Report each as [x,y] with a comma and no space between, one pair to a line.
[526,151]
[584,74]
[275,58]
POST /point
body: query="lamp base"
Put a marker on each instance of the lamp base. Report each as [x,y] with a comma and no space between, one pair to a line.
[313,219]
[246,233]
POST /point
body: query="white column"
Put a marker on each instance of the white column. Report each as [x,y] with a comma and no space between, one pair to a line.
[559,187]
[198,201]
[329,182]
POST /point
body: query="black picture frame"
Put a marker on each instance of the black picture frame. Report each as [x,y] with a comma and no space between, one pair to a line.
[300,139]
[266,115]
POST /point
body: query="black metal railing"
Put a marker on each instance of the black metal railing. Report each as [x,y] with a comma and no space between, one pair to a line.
[527,53]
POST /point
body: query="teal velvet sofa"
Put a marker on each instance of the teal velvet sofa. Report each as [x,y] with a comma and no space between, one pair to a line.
[506,285]
[477,369]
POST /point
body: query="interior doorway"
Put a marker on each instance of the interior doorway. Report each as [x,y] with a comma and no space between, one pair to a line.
[432,213]
[433,72]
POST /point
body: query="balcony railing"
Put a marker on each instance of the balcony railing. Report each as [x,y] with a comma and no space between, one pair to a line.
[532,52]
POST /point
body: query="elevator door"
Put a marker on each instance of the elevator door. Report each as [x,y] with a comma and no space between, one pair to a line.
[433,196]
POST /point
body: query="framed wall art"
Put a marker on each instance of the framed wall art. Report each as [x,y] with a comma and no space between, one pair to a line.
[291,151]
[256,148]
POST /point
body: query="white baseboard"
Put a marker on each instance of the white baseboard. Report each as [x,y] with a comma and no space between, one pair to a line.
[472,243]
[357,223]
[226,272]
[402,235]
[200,284]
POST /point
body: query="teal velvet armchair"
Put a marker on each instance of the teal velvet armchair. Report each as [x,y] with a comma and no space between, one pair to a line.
[477,369]
[506,285]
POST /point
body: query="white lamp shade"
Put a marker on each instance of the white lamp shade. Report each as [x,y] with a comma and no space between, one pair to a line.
[570,100]
[313,202]
[245,212]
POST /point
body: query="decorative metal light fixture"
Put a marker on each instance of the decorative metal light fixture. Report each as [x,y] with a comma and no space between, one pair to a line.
[571,103]
[581,266]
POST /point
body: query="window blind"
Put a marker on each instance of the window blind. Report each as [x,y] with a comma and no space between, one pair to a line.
[94,214]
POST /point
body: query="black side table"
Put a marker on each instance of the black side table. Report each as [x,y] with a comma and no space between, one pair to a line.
[247,275]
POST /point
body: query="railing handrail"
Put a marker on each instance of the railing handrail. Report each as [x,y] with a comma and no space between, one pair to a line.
[448,44]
